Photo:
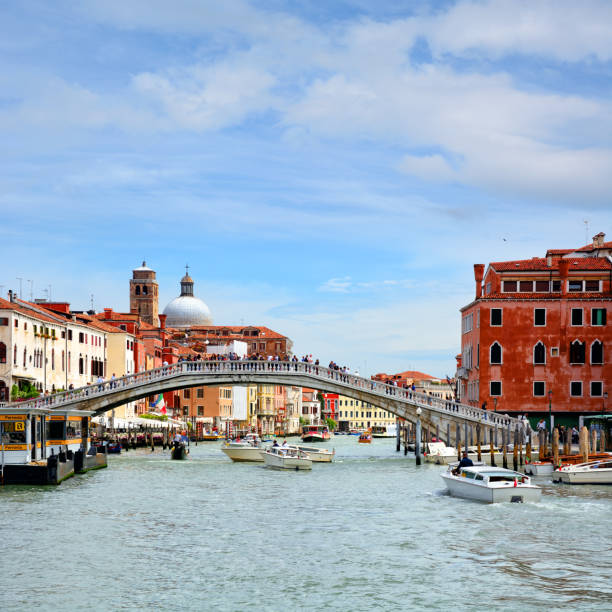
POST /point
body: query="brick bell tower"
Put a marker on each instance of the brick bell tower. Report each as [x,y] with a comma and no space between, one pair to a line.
[144,294]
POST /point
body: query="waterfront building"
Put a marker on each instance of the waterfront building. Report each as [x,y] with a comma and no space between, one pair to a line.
[330,406]
[45,346]
[293,410]
[534,339]
[265,409]
[311,407]
[421,382]
[354,414]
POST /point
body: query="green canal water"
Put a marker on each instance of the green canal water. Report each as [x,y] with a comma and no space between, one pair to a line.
[369,532]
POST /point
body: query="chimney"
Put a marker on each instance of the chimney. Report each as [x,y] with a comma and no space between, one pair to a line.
[11,296]
[162,321]
[549,260]
[599,239]
[107,313]
[478,274]
[563,273]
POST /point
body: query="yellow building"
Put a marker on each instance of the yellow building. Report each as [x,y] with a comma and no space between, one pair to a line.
[355,414]
[265,408]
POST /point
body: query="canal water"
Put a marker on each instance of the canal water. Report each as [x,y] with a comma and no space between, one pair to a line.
[369,532]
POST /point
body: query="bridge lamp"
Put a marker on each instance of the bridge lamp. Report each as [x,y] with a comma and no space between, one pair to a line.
[419,412]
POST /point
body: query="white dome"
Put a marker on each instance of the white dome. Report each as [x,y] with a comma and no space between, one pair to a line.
[186,311]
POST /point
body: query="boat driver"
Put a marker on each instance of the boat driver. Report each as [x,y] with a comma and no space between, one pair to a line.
[465,462]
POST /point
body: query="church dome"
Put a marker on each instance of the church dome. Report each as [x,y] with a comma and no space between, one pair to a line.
[187,310]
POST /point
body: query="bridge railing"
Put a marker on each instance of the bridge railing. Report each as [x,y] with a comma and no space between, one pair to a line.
[281,368]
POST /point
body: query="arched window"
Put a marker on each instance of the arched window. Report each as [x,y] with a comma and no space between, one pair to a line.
[15,354]
[53,359]
[25,357]
[63,361]
[2,352]
[137,292]
[597,353]
[81,365]
[577,351]
[145,291]
[496,353]
[539,354]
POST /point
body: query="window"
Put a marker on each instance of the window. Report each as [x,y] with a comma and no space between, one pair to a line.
[577,350]
[556,285]
[554,351]
[4,321]
[542,286]
[591,285]
[598,316]
[200,393]
[187,393]
[137,292]
[526,286]
[576,388]
[539,388]
[496,317]
[597,353]
[69,334]
[508,286]
[495,388]
[539,354]
[200,410]
[576,316]
[574,286]
[539,317]
[16,323]
[81,337]
[596,388]
[2,352]
[495,353]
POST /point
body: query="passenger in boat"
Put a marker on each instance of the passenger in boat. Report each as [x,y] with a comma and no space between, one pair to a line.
[284,443]
[276,444]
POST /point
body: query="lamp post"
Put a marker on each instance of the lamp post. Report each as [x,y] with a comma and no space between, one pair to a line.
[550,410]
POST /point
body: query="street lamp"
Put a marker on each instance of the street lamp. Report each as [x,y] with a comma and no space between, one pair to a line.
[550,410]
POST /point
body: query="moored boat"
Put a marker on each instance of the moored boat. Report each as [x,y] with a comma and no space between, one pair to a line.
[439,453]
[285,458]
[315,433]
[490,484]
[384,431]
[592,472]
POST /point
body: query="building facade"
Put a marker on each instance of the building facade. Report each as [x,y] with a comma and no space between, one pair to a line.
[535,338]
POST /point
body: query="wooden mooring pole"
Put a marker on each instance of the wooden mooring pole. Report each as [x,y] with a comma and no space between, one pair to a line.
[555,447]
[478,441]
[515,450]
[504,458]
[492,447]
[417,438]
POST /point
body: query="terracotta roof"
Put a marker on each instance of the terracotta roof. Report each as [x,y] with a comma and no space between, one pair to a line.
[517,295]
[30,309]
[559,251]
[539,264]
[235,331]
[591,247]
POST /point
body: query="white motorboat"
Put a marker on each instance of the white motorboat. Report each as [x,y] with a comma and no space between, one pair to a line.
[248,448]
[539,468]
[316,454]
[490,484]
[439,453]
[315,433]
[592,472]
[285,458]
[384,431]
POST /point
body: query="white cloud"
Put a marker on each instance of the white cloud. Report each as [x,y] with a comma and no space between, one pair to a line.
[337,285]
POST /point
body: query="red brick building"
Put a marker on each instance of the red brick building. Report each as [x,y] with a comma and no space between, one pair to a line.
[536,334]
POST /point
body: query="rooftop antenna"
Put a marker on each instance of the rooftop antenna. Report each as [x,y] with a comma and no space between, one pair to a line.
[49,292]
[20,284]
[31,290]
[91,299]
[586,231]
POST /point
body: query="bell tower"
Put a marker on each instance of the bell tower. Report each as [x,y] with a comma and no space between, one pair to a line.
[144,294]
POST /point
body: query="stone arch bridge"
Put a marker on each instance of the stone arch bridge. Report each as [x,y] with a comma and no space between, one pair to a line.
[444,416]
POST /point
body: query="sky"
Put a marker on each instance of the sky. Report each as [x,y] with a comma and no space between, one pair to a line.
[331,170]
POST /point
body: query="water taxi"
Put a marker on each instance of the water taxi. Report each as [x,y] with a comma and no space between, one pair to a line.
[246,449]
[592,472]
[365,438]
[285,458]
[490,484]
[315,433]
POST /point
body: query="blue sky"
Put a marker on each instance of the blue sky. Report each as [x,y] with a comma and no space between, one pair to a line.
[331,170]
